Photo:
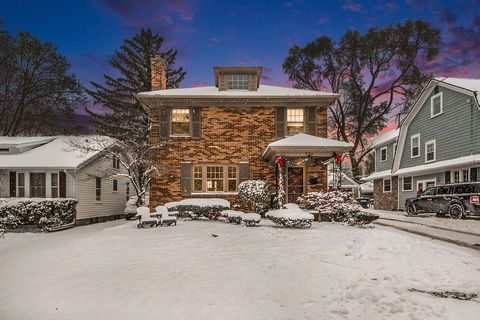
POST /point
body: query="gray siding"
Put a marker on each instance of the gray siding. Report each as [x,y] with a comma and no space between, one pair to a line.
[385,165]
[456,131]
[112,203]
[404,195]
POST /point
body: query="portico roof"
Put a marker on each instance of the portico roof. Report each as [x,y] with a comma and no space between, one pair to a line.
[304,144]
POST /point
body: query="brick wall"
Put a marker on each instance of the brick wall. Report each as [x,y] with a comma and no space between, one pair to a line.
[385,200]
[229,135]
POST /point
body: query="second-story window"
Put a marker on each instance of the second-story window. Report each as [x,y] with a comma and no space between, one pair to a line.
[237,81]
[415,144]
[383,154]
[436,105]
[180,122]
[430,151]
[295,121]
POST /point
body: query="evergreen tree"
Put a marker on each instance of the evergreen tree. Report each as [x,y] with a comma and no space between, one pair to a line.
[125,119]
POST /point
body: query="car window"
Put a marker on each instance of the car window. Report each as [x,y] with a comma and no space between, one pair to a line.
[429,192]
[466,188]
[443,190]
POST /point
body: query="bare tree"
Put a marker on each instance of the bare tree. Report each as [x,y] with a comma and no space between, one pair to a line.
[374,73]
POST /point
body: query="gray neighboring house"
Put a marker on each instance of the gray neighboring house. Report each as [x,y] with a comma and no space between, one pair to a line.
[48,167]
[437,143]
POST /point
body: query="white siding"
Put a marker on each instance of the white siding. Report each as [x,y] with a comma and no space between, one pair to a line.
[112,203]
[4,184]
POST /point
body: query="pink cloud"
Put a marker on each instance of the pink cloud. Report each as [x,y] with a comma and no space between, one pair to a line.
[352,5]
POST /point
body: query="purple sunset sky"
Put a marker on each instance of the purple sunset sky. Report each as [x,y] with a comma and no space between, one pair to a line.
[208,33]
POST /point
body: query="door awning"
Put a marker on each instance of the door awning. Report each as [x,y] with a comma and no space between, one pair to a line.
[302,145]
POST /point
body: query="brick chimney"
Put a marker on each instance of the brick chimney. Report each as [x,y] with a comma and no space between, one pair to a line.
[159,73]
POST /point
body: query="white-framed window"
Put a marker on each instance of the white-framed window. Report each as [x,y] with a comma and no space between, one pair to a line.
[295,121]
[38,184]
[383,154]
[54,184]
[114,185]
[456,176]
[394,149]
[215,178]
[127,191]
[237,81]
[430,151]
[424,184]
[387,185]
[415,145]
[98,189]
[436,105]
[180,124]
[465,175]
[407,184]
[116,162]
[21,184]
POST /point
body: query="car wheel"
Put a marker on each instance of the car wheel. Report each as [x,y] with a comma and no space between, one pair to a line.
[456,211]
[411,209]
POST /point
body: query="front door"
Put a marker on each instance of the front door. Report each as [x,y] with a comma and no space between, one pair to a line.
[294,183]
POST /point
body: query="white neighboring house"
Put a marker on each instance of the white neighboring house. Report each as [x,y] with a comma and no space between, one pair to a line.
[48,167]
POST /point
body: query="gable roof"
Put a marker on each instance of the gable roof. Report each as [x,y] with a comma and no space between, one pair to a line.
[49,152]
[467,86]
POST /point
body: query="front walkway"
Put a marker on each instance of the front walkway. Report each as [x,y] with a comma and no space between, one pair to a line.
[461,232]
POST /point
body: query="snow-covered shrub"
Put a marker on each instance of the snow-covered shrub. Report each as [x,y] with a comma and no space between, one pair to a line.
[254,195]
[233,216]
[338,206]
[251,219]
[37,212]
[209,208]
[291,216]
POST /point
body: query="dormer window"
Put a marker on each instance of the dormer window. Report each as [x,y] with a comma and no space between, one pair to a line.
[436,105]
[237,81]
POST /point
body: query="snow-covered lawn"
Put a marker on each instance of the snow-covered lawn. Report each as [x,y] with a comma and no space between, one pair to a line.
[115,271]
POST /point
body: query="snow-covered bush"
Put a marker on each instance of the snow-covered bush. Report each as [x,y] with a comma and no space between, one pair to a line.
[233,216]
[291,216]
[254,195]
[37,212]
[338,206]
[251,219]
[210,208]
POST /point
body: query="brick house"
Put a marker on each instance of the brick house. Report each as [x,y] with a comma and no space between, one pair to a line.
[212,138]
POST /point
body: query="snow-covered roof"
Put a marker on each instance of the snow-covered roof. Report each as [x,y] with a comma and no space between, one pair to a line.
[367,187]
[212,91]
[434,166]
[21,141]
[378,175]
[385,138]
[467,83]
[303,142]
[52,152]
[344,176]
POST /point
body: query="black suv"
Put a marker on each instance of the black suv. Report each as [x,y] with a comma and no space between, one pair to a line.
[457,200]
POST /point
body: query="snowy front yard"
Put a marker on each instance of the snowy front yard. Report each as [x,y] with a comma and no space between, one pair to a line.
[115,271]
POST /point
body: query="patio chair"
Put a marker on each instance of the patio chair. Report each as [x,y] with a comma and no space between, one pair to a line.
[166,217]
[144,218]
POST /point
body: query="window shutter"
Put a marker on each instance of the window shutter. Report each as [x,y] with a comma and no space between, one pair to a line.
[186,178]
[311,124]
[62,177]
[244,172]
[196,118]
[165,122]
[13,184]
[281,122]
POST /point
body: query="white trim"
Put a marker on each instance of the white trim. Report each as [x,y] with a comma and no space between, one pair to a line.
[386,153]
[424,183]
[434,142]
[440,94]
[390,179]
[417,135]
[403,184]
[394,150]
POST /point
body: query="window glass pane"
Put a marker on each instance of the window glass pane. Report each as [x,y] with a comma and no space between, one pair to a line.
[436,109]
[415,146]
[407,183]
[386,185]
[197,185]
[430,151]
[37,185]
[115,185]
[98,189]
[473,174]
[429,192]
[383,154]
[456,176]
[295,121]
[181,122]
[215,178]
[237,82]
